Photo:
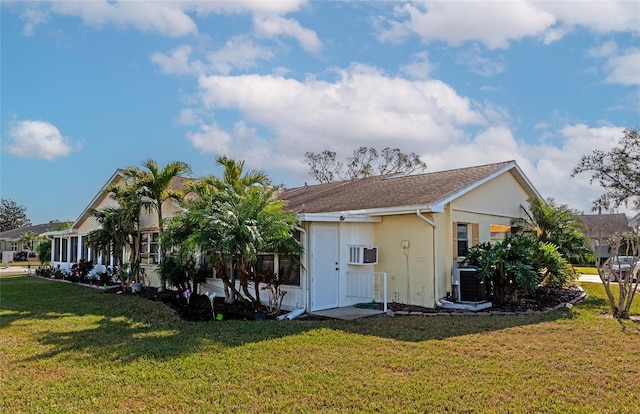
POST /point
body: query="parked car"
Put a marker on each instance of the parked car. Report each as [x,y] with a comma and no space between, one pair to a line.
[20,256]
[621,266]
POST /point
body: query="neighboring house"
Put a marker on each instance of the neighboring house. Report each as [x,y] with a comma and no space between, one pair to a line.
[415,229]
[599,227]
[10,239]
[70,246]
[634,223]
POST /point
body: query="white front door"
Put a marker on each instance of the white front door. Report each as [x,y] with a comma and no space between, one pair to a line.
[324,268]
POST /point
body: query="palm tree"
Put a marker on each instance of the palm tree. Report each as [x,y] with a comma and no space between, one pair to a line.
[547,222]
[130,203]
[233,176]
[116,225]
[232,231]
[230,222]
[153,185]
[28,238]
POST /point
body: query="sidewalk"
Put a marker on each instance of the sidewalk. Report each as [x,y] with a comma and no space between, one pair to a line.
[16,270]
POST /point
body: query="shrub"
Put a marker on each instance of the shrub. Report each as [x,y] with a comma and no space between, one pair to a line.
[517,265]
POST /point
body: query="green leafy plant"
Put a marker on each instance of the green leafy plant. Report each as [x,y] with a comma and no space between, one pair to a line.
[517,265]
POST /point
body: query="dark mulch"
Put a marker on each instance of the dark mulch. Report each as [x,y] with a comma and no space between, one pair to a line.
[198,308]
[544,298]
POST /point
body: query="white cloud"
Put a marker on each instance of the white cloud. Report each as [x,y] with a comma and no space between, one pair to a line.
[33,18]
[211,139]
[166,18]
[38,139]
[172,18]
[480,64]
[620,68]
[607,49]
[498,23]
[238,53]
[273,26]
[419,68]
[598,16]
[178,62]
[624,69]
[363,107]
[495,24]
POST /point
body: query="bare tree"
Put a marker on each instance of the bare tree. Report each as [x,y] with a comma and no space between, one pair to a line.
[617,171]
[623,267]
[364,162]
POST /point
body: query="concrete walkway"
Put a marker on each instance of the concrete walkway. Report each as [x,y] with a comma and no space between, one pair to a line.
[347,313]
[16,270]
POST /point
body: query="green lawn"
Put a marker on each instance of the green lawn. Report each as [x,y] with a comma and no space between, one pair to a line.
[68,348]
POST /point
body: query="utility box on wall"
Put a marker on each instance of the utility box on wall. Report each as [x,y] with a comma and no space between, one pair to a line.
[361,255]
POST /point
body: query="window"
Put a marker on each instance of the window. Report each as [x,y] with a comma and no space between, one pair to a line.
[56,249]
[65,244]
[14,246]
[149,247]
[85,249]
[288,267]
[74,249]
[265,264]
[289,270]
[463,238]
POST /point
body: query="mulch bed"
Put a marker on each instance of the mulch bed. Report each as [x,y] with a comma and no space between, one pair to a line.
[544,298]
[199,307]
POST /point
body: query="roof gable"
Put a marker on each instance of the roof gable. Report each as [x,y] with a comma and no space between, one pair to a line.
[425,191]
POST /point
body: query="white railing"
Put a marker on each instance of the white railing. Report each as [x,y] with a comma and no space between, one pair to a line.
[368,285]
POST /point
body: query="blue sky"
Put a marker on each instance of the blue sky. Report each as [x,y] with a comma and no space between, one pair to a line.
[89,87]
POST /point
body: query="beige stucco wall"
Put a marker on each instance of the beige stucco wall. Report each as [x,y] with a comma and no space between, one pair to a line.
[501,197]
[495,202]
[410,269]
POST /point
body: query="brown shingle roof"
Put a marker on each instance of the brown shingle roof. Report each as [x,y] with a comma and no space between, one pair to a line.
[605,224]
[385,191]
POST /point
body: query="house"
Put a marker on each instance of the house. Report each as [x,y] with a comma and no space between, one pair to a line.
[600,227]
[634,223]
[412,229]
[70,246]
[10,240]
[392,237]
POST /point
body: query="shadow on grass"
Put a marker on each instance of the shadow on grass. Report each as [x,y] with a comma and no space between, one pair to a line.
[71,319]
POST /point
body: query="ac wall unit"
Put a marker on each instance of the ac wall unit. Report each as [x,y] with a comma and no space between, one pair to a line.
[361,255]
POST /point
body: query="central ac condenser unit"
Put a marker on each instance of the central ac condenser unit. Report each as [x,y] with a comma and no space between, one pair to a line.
[467,287]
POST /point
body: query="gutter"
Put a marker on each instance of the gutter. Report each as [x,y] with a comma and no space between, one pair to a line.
[433,253]
[307,295]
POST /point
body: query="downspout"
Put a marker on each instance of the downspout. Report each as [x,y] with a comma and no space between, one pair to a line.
[306,272]
[433,253]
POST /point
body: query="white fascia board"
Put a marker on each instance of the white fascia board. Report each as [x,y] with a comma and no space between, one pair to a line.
[337,217]
[390,211]
[59,232]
